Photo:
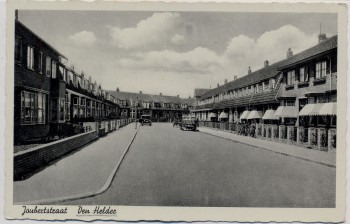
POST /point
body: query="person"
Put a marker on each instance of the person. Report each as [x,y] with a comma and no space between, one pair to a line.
[196,121]
[141,121]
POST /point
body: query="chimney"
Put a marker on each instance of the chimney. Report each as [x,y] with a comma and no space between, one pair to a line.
[218,85]
[289,53]
[266,64]
[322,37]
[16,14]
[225,81]
[249,71]
[160,94]
[140,92]
[117,89]
[235,77]
[178,95]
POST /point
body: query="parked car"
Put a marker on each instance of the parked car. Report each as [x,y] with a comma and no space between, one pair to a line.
[189,123]
[146,119]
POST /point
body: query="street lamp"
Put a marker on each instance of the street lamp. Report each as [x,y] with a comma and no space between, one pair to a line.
[136,102]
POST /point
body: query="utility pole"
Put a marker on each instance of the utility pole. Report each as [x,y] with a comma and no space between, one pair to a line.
[136,102]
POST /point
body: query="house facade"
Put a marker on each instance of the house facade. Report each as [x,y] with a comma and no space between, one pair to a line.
[47,93]
[293,100]
[160,107]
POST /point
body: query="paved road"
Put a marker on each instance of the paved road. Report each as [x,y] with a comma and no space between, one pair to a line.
[169,167]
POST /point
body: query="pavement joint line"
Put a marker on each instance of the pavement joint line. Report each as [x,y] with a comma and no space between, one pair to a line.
[281,153]
[105,187]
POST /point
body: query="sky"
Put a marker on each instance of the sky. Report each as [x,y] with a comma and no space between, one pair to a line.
[174,52]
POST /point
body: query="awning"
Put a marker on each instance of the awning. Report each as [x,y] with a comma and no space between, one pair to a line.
[329,109]
[244,115]
[223,115]
[286,111]
[213,115]
[269,115]
[319,109]
[254,114]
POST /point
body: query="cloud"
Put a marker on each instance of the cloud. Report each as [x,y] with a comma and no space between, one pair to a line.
[243,51]
[83,38]
[177,39]
[198,60]
[158,29]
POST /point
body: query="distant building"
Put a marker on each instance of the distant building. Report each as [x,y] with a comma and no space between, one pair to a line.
[160,107]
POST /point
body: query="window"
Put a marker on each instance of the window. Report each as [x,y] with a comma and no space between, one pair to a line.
[40,62]
[321,69]
[61,109]
[18,49]
[30,57]
[266,85]
[67,107]
[48,66]
[273,83]
[291,77]
[290,102]
[82,101]
[33,108]
[63,72]
[302,103]
[54,69]
[303,75]
[41,107]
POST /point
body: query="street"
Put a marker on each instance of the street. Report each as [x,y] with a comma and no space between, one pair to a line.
[169,167]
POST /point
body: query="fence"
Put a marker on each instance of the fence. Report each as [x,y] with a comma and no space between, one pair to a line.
[318,138]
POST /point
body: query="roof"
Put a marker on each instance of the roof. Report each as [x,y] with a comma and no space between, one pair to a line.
[274,69]
[151,98]
[255,77]
[198,92]
[325,46]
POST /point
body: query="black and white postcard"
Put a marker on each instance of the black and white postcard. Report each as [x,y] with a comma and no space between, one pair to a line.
[176,111]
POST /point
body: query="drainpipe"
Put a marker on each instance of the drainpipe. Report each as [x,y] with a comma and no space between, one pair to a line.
[330,72]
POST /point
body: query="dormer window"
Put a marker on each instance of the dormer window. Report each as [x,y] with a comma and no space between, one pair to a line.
[273,83]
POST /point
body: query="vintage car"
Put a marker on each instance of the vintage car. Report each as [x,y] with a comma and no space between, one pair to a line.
[145,119]
[189,122]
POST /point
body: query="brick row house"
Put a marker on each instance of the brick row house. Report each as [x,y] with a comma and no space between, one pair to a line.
[293,100]
[47,93]
[160,107]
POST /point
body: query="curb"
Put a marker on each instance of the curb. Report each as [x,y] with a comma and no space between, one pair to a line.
[281,153]
[105,187]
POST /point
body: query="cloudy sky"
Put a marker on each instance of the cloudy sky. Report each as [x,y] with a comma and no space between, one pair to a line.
[174,52]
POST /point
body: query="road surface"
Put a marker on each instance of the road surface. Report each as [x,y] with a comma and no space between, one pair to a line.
[169,167]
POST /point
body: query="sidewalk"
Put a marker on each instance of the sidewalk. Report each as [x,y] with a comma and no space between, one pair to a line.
[320,157]
[84,172]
